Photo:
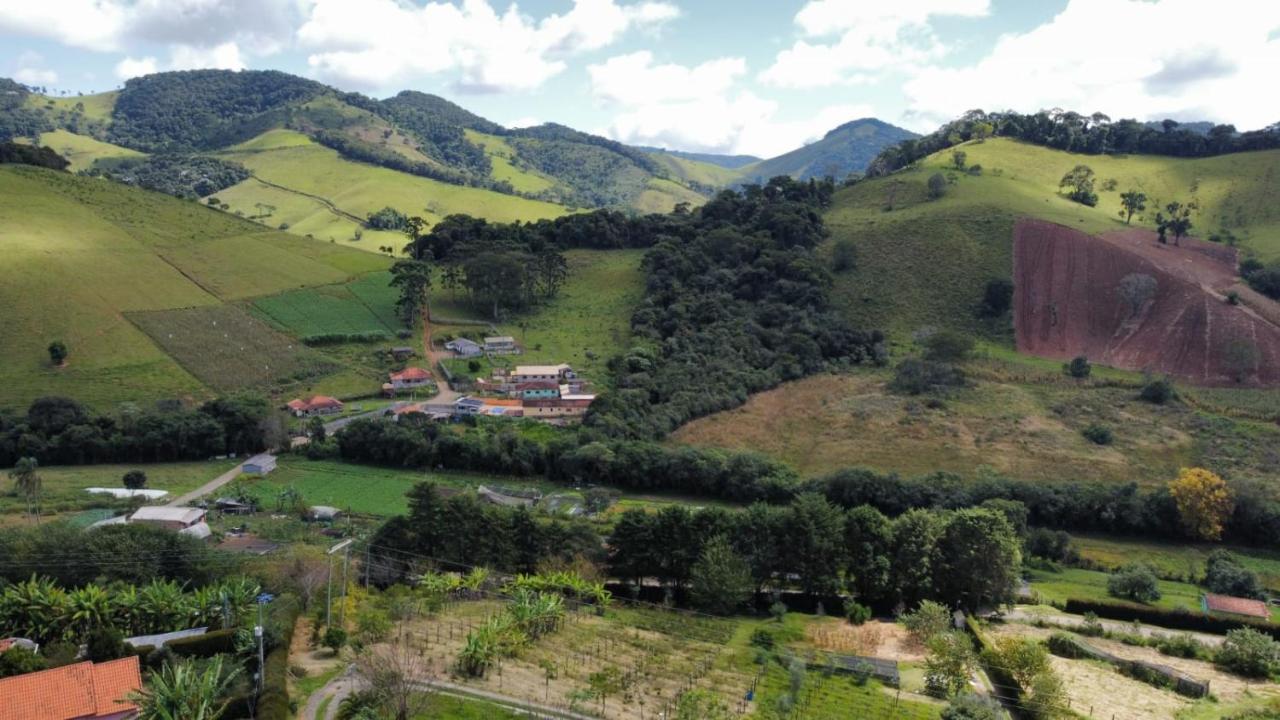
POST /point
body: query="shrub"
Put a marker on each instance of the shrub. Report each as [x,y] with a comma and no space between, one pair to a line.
[1092,626]
[1064,645]
[1250,653]
[1052,545]
[1098,434]
[19,661]
[937,186]
[778,611]
[209,644]
[971,707]
[929,619]
[334,639]
[1134,582]
[857,613]
[106,643]
[762,638]
[1175,619]
[1181,645]
[844,255]
[1233,297]
[1079,367]
[997,297]
[1158,391]
[1226,576]
[918,377]
[135,480]
[948,346]
[341,338]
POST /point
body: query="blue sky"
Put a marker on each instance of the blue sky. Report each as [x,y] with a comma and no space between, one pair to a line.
[707,75]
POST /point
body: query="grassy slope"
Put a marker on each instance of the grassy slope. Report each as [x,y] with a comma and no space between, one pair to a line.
[924,263]
[695,171]
[661,195]
[96,107]
[82,150]
[288,159]
[81,252]
[500,155]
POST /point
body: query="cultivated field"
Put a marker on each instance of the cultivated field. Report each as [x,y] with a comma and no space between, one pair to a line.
[63,494]
[1026,430]
[228,349]
[366,304]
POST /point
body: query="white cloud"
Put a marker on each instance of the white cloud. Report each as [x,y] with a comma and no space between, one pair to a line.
[700,108]
[1127,58]
[133,67]
[524,122]
[80,23]
[870,37]
[225,56]
[35,76]
[381,43]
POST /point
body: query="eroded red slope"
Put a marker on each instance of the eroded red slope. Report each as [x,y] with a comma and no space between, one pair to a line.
[1067,303]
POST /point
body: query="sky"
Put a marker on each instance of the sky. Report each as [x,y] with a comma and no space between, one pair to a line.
[754,77]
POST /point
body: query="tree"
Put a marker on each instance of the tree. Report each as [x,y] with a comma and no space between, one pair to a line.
[914,555]
[1157,391]
[958,158]
[1048,696]
[26,480]
[1134,582]
[948,346]
[134,480]
[997,297]
[334,638]
[813,532]
[867,536]
[721,578]
[927,620]
[1240,358]
[106,643]
[1136,290]
[1178,221]
[971,707]
[183,691]
[413,278]
[1079,367]
[1226,576]
[57,352]
[980,559]
[1204,502]
[937,185]
[1250,653]
[844,255]
[1079,180]
[315,429]
[1132,202]
[393,674]
[950,664]
[1022,658]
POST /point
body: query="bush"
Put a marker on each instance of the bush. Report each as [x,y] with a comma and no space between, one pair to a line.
[1098,434]
[1174,619]
[937,186]
[1158,391]
[948,346]
[334,639]
[1064,645]
[857,613]
[1181,645]
[928,620]
[1052,545]
[135,480]
[762,638]
[778,611]
[19,661]
[844,255]
[918,377]
[341,338]
[1134,582]
[1079,367]
[997,298]
[106,643]
[1250,653]
[1226,576]
[971,707]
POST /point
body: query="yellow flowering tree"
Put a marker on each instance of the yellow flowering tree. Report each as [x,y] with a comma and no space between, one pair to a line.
[1204,502]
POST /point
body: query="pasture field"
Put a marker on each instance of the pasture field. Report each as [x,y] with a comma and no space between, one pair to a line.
[97,106]
[342,308]
[660,195]
[501,156]
[281,157]
[1174,559]
[1030,431]
[1058,587]
[83,150]
[695,171]
[229,349]
[63,486]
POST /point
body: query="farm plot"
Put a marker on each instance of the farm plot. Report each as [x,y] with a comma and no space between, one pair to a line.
[227,348]
[1058,587]
[63,487]
[327,309]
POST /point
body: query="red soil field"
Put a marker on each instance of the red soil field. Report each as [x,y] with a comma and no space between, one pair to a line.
[1067,303]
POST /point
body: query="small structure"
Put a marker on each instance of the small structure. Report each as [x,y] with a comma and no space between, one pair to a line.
[231,506]
[534,390]
[542,373]
[170,518]
[9,643]
[1228,605]
[126,493]
[80,691]
[400,354]
[317,405]
[412,377]
[509,498]
[464,348]
[162,639]
[325,513]
[561,407]
[260,464]
[501,345]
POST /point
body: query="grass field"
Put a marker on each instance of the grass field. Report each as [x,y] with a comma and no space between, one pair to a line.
[63,486]
[501,155]
[292,161]
[1092,585]
[96,107]
[694,171]
[1026,430]
[82,150]
[366,304]
[660,195]
[229,349]
[1184,560]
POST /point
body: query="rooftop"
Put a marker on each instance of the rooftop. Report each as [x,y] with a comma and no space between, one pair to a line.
[499,339]
[79,691]
[1236,605]
[412,373]
[540,369]
[165,513]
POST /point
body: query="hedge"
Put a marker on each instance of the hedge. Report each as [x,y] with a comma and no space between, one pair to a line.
[1176,619]
[1161,676]
[218,642]
[1007,689]
[340,338]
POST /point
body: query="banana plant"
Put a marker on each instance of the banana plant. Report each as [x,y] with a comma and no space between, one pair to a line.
[90,607]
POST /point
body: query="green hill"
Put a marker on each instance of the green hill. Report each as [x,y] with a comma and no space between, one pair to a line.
[843,151]
[923,262]
[84,256]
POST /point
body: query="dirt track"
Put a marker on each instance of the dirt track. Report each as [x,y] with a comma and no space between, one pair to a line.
[1067,304]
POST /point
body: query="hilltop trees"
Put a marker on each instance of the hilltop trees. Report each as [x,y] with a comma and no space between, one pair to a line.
[1132,202]
[1204,502]
[1079,180]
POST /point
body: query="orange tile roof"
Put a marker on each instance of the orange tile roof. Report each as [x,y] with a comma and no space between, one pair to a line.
[412,373]
[502,402]
[71,692]
[1236,605]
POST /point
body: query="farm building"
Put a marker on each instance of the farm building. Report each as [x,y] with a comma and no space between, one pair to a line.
[80,691]
[413,377]
[501,345]
[541,373]
[559,407]
[318,405]
[185,520]
[1229,605]
[260,464]
[400,354]
[509,498]
[488,406]
[464,348]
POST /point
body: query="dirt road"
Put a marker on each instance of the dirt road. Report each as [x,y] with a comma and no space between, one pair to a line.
[208,488]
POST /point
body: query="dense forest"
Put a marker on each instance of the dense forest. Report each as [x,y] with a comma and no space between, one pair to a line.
[16,120]
[184,176]
[1094,134]
[23,154]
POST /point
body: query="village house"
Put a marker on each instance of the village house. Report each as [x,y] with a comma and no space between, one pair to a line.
[80,691]
[505,407]
[409,378]
[557,374]
[318,405]
[501,345]
[464,348]
[260,464]
[564,406]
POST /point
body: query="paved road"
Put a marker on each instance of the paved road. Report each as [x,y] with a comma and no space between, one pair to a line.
[208,488]
[1030,618]
[335,425]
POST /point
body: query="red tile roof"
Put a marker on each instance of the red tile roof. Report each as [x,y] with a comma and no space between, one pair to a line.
[296,405]
[412,373]
[324,401]
[72,692]
[1236,606]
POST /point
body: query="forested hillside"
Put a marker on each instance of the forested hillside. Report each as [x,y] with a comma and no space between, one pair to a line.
[844,151]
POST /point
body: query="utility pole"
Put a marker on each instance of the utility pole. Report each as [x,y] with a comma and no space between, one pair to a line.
[342,611]
[328,599]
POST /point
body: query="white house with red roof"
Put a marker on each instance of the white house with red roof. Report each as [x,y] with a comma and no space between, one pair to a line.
[317,405]
[411,377]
